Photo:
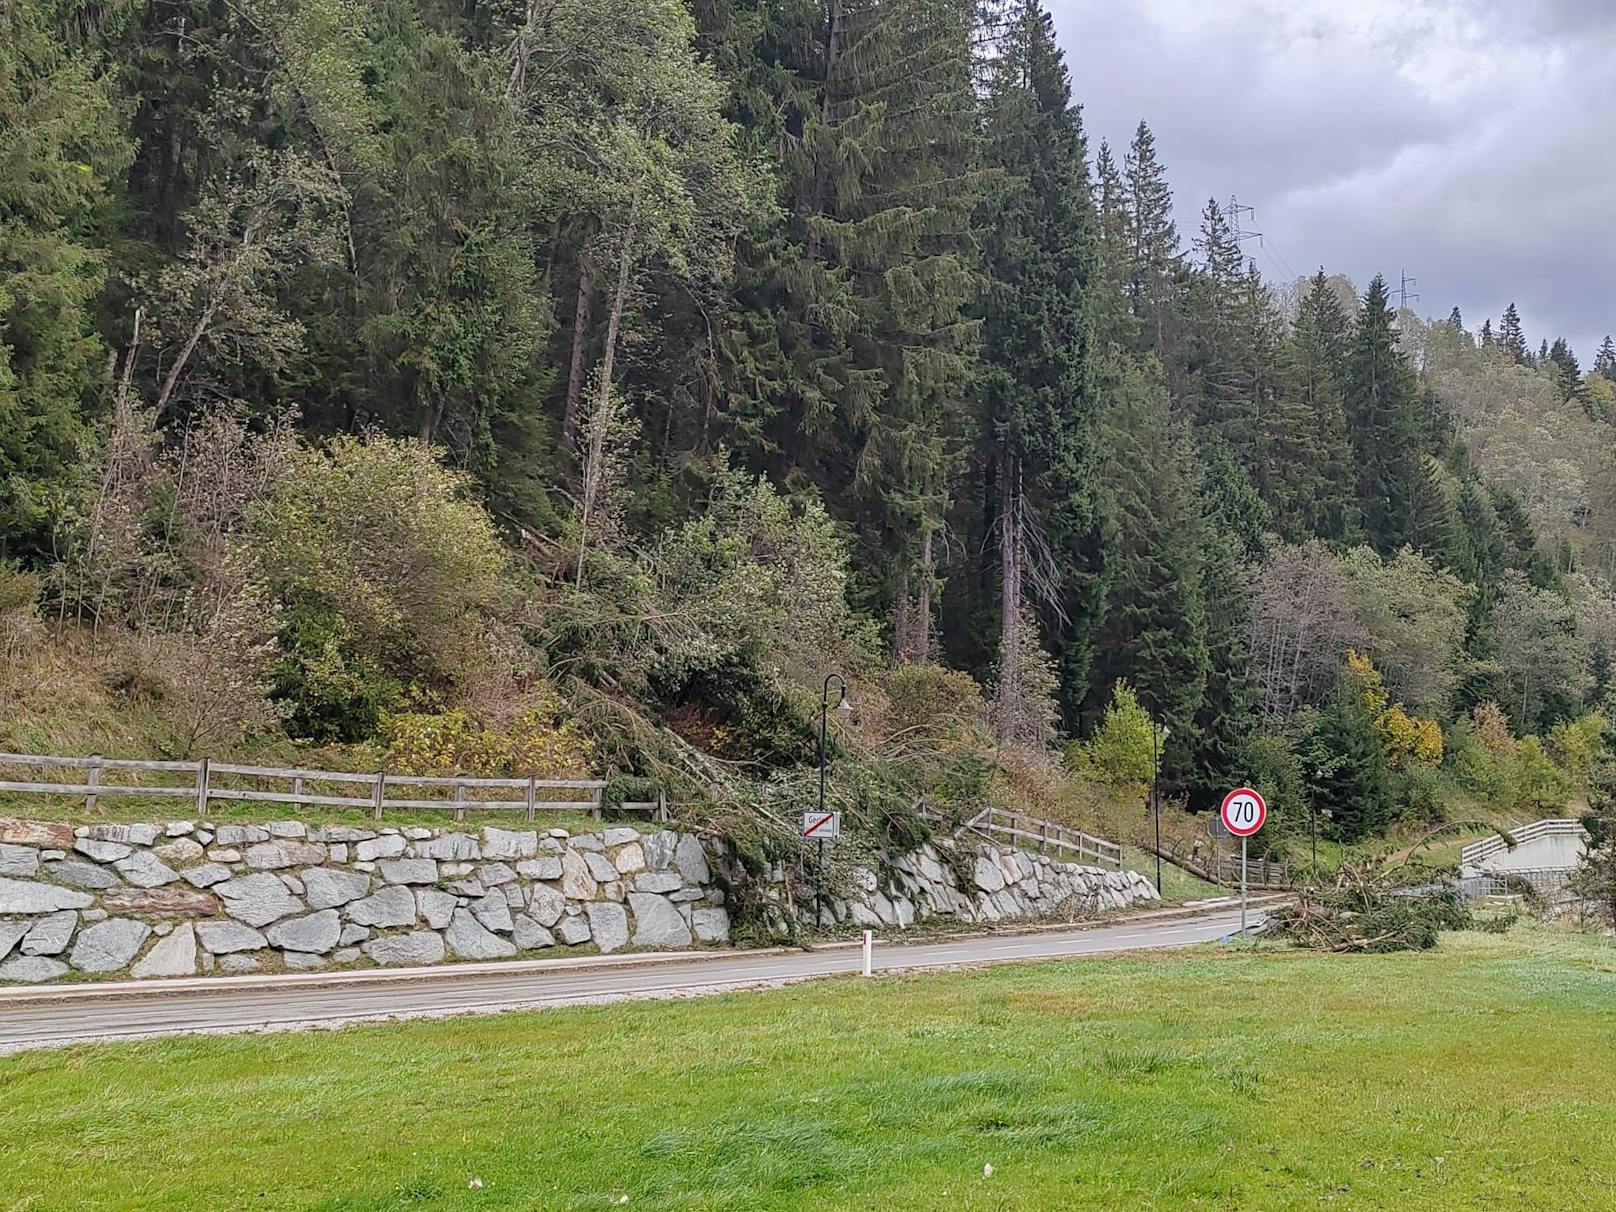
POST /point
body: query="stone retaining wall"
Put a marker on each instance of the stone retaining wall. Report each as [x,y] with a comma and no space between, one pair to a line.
[1005,885]
[187,897]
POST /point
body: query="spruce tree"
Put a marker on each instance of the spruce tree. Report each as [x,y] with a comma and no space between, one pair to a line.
[1488,341]
[1456,321]
[1114,318]
[1351,783]
[1152,243]
[1381,401]
[1511,338]
[1154,633]
[1040,250]
[1314,490]
[1605,359]
[1562,363]
[864,291]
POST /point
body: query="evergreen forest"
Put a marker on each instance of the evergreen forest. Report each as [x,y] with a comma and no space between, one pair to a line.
[567,387]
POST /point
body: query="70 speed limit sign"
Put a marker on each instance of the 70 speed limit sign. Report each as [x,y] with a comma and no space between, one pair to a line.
[1243,812]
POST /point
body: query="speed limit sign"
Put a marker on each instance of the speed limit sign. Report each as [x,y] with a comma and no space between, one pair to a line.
[1243,812]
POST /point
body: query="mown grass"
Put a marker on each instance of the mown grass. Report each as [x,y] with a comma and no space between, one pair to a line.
[1479,1075]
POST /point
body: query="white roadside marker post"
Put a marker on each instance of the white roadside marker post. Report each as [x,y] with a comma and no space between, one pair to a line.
[869,948]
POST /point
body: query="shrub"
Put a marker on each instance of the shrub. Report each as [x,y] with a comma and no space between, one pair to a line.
[382,536]
[330,688]
[538,742]
[1121,750]
[932,702]
[1536,784]
[1574,744]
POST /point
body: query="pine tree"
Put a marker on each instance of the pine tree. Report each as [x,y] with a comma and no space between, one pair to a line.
[1114,318]
[1456,321]
[1154,633]
[1383,423]
[1488,341]
[864,291]
[1314,490]
[1152,242]
[1511,338]
[62,147]
[1040,252]
[1605,359]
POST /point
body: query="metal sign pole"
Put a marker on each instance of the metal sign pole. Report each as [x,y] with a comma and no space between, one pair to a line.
[1242,886]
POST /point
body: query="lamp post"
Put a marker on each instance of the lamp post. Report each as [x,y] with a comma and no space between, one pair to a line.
[1155,793]
[844,711]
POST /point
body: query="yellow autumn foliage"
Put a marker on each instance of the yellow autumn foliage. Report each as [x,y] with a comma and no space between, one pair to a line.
[1405,737]
[534,744]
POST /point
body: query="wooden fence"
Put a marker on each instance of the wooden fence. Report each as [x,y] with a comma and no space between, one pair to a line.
[1212,865]
[211,781]
[1027,832]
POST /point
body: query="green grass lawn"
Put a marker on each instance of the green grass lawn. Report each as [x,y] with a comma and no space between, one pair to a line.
[1480,1075]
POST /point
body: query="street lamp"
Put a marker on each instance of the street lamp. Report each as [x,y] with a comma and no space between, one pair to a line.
[1155,793]
[844,712]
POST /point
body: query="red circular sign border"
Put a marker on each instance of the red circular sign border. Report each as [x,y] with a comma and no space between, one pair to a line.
[1262,817]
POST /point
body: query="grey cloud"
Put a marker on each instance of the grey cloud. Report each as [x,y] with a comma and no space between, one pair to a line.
[1467,147]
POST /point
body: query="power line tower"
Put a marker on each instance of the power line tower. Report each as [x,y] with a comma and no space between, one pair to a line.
[1236,213]
[1403,293]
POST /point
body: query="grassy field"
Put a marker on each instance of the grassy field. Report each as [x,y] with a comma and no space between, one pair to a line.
[1476,1076]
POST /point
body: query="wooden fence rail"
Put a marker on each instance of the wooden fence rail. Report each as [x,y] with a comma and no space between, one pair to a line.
[205,787]
[1029,831]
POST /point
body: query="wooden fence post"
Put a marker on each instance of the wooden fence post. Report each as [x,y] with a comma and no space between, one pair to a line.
[202,775]
[381,791]
[460,801]
[93,779]
[297,790]
[661,806]
[599,792]
[531,794]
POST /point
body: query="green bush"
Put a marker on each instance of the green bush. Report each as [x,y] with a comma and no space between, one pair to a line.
[1273,768]
[383,538]
[329,687]
[1536,785]
[1121,751]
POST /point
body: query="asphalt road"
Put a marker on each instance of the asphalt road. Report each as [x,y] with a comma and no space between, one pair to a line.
[70,1015]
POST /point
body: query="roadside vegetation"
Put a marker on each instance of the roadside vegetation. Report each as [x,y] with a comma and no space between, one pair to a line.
[1257,1079]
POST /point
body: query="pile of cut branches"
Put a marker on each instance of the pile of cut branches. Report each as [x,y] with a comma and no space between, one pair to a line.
[1371,908]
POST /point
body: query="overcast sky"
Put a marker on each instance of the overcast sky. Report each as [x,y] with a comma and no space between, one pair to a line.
[1472,145]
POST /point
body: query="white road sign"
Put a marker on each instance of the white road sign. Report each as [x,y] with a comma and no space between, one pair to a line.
[1243,812]
[822,826]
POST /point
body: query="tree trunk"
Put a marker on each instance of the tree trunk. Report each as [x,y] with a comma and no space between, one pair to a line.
[1009,689]
[600,418]
[833,52]
[580,342]
[921,642]
[903,622]
[198,331]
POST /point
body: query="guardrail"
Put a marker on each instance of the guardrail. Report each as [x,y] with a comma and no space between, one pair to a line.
[1021,829]
[219,781]
[1476,853]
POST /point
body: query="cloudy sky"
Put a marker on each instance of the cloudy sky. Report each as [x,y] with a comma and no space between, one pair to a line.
[1472,145]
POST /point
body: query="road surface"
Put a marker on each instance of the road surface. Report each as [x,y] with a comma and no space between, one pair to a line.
[62,1015]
